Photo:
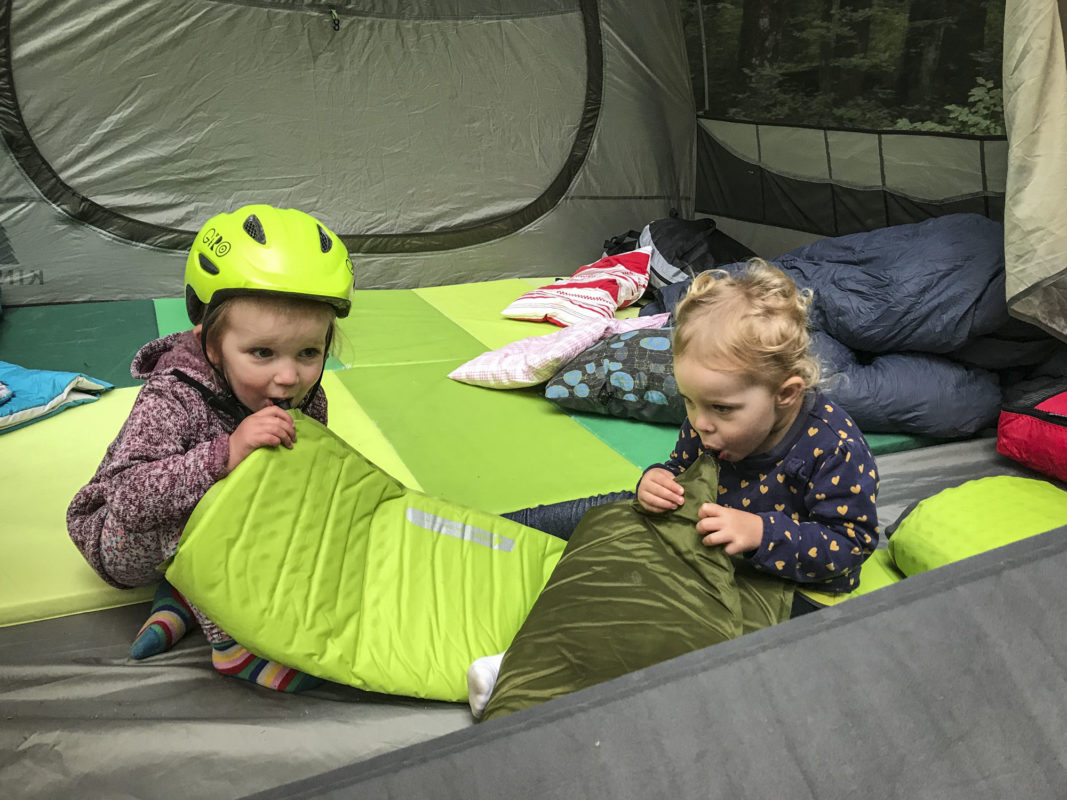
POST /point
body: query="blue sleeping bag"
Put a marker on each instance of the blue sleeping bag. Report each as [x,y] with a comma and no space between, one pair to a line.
[30,395]
[910,323]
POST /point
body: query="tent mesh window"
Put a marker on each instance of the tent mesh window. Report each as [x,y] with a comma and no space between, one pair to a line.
[856,64]
[830,117]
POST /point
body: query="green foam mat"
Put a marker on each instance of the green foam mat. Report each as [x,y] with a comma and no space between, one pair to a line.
[42,574]
[171,315]
[396,326]
[642,443]
[490,449]
[878,572]
[475,307]
[99,339]
[349,421]
[497,451]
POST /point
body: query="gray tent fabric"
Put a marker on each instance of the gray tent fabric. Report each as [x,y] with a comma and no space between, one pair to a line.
[444,142]
[951,685]
[1035,111]
[78,718]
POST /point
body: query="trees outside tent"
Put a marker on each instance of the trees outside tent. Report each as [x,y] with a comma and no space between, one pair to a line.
[864,64]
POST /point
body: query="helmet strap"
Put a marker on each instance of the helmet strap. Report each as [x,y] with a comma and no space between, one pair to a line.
[225,405]
[223,402]
[318,381]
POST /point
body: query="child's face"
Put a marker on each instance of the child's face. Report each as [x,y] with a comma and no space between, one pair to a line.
[269,353]
[733,416]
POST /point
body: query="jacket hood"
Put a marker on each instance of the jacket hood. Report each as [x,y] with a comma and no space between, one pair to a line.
[176,351]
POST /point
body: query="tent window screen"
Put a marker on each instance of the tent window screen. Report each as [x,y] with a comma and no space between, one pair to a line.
[860,64]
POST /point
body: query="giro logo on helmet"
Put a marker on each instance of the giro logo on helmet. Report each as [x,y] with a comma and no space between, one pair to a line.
[215,243]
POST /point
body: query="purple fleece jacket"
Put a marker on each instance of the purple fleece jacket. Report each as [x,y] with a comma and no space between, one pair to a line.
[128,519]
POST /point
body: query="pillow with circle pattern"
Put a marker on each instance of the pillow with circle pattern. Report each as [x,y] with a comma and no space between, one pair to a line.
[629,374]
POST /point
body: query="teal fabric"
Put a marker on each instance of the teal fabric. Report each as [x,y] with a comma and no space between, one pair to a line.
[98,339]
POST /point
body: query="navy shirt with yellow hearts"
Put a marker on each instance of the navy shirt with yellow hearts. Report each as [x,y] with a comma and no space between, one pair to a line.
[815,490]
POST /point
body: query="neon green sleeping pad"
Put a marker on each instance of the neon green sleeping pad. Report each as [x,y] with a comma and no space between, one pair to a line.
[316,558]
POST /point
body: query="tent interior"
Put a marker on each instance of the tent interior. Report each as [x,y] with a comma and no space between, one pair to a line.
[467,153]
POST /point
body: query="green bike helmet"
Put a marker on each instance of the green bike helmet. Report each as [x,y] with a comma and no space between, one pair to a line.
[263,249]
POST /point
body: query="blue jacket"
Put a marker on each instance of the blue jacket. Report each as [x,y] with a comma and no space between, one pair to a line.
[816,492]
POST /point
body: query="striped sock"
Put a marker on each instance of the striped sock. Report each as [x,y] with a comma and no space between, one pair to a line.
[232,659]
[167,622]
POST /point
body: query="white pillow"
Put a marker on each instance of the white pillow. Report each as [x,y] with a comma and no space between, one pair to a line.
[535,359]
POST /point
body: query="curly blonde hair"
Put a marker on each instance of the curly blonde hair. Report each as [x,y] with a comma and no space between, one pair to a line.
[754,323]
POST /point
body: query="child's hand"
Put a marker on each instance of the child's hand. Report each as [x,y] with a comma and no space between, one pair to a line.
[659,491]
[268,427]
[738,530]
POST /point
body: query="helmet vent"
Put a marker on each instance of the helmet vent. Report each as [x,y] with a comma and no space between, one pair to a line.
[254,228]
[325,242]
[207,266]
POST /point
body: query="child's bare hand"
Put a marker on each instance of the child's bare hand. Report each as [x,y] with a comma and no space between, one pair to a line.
[659,491]
[268,427]
[737,530]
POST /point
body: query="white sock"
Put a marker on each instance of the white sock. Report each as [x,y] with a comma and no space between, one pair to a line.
[481,678]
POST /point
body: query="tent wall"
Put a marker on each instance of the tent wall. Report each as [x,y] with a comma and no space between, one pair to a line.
[1035,107]
[445,142]
[775,187]
[826,119]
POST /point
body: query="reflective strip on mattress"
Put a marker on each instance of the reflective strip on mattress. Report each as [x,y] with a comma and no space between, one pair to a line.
[468,533]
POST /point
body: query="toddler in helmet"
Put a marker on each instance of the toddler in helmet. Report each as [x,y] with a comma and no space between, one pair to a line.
[263,287]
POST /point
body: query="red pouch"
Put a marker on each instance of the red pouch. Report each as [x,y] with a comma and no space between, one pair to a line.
[1033,431]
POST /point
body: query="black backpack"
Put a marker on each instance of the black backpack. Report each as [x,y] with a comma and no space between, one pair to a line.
[681,248]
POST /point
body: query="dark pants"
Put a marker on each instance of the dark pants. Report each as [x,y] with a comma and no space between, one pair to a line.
[560,519]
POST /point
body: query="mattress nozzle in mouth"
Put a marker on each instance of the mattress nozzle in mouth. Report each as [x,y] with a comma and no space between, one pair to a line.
[283,403]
